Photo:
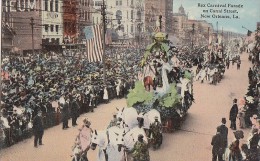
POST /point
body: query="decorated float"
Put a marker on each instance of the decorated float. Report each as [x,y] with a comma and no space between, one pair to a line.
[162,85]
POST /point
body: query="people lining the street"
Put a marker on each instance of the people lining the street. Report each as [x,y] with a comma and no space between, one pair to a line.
[33,83]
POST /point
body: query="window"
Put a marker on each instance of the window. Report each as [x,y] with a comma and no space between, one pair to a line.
[132,14]
[116,3]
[52,28]
[56,6]
[46,5]
[120,3]
[126,14]
[119,15]
[132,28]
[139,15]
[57,28]
[132,2]
[46,27]
[98,3]
[58,40]
[51,6]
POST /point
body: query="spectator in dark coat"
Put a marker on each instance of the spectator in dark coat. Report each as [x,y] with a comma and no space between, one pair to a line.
[233,114]
[65,115]
[74,110]
[217,146]
[224,133]
[38,129]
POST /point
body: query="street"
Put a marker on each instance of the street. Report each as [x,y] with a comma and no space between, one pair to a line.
[190,143]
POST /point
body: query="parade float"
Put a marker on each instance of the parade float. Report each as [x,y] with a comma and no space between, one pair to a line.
[162,85]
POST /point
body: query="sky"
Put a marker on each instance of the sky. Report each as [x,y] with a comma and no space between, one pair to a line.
[249,15]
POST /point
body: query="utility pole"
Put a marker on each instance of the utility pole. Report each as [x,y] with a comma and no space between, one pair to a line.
[193,26]
[32,25]
[103,13]
[160,21]
[208,36]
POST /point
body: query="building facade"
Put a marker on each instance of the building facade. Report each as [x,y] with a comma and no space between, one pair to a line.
[154,9]
[23,18]
[127,17]
[85,10]
[52,24]
[188,31]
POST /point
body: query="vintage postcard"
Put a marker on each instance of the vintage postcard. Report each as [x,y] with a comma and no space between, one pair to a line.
[130,80]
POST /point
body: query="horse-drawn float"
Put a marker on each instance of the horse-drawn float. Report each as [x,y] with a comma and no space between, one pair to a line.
[163,85]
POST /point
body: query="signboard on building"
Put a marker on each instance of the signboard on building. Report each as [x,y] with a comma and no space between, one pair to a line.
[20,5]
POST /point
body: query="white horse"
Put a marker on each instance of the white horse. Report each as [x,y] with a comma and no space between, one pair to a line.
[149,117]
[100,139]
[115,134]
[129,116]
[129,139]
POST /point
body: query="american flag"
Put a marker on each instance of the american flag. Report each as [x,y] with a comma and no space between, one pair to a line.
[93,43]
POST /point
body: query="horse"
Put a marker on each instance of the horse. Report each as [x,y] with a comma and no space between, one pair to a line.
[115,134]
[129,116]
[149,117]
[128,140]
[100,139]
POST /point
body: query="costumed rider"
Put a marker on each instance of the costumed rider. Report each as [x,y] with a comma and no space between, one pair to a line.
[113,122]
[140,151]
[82,142]
[155,133]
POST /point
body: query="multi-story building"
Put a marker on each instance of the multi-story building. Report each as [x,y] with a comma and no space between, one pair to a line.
[186,30]
[52,24]
[70,21]
[85,9]
[8,34]
[154,9]
[23,18]
[96,15]
[76,15]
[127,17]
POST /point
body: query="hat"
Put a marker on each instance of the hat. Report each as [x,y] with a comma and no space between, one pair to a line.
[155,117]
[223,120]
[86,122]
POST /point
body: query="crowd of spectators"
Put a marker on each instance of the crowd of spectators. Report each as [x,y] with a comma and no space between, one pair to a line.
[32,83]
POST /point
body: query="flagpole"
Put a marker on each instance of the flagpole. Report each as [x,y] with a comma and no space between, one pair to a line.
[103,13]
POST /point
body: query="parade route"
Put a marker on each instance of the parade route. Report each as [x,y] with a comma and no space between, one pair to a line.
[190,143]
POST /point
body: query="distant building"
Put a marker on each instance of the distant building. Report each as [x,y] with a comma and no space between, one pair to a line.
[257,24]
[190,31]
[85,9]
[127,17]
[52,24]
[156,8]
[17,17]
[70,21]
